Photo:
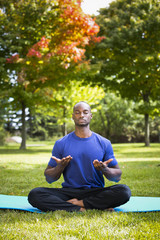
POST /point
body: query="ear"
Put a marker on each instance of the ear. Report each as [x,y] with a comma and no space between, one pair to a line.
[91,115]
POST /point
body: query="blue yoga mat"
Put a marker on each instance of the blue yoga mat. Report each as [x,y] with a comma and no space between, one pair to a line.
[135,204]
[140,204]
[17,203]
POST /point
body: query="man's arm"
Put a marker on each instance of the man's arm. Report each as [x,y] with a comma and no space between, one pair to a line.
[111,173]
[52,174]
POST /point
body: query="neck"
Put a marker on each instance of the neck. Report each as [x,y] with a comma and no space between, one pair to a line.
[83,132]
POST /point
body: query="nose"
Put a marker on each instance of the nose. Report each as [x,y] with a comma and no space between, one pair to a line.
[81,114]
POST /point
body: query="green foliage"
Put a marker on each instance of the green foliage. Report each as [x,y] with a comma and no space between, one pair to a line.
[41,44]
[61,102]
[129,54]
[22,24]
[2,135]
[151,108]
[130,51]
[117,120]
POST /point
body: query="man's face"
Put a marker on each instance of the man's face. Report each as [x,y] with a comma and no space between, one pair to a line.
[82,115]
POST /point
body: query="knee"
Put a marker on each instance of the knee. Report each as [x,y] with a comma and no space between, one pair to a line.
[33,196]
[126,192]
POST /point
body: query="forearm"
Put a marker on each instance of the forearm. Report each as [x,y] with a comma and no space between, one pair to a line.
[53,174]
[112,174]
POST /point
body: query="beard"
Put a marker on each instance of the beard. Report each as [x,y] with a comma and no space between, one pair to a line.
[85,124]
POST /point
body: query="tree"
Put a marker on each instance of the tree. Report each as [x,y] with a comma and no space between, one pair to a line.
[116,119]
[62,101]
[22,25]
[129,55]
[42,42]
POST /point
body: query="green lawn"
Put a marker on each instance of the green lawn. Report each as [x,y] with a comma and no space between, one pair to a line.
[22,170]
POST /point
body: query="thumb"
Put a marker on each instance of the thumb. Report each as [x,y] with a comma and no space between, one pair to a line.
[108,161]
[56,159]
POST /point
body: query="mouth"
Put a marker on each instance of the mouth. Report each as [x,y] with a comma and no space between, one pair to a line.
[82,120]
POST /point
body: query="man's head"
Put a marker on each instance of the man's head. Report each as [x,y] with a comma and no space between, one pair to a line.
[82,114]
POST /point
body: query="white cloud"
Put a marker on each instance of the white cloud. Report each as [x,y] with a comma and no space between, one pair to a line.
[91,6]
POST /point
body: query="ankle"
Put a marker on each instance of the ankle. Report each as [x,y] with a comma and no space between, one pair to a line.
[82,209]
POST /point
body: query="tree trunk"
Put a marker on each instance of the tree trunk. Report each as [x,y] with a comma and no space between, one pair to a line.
[23,133]
[147,132]
[146,118]
[64,127]
[108,130]
[103,123]
[30,124]
[108,125]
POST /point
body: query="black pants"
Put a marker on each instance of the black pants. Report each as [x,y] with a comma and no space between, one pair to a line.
[51,199]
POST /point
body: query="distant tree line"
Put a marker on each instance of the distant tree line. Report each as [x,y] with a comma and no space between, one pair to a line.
[113,118]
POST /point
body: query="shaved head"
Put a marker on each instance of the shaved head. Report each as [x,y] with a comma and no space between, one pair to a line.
[81,115]
[81,103]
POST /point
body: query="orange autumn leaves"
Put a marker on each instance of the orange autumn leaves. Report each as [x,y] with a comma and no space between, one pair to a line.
[74,31]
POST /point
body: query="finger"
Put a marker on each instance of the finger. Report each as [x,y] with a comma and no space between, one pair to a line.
[66,160]
[69,157]
[96,164]
[95,161]
[56,159]
[109,160]
[101,165]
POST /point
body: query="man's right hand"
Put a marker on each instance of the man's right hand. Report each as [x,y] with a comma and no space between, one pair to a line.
[53,173]
[62,162]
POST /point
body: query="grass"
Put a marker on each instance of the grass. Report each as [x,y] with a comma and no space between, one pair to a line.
[22,170]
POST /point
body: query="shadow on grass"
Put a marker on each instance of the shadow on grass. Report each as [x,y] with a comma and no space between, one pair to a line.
[141,154]
[135,145]
[27,151]
[136,151]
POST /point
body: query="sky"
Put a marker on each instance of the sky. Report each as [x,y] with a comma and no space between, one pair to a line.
[91,6]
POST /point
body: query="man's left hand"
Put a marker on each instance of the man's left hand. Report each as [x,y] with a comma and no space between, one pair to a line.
[99,165]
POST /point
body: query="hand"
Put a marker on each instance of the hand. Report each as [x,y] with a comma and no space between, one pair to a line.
[99,165]
[62,162]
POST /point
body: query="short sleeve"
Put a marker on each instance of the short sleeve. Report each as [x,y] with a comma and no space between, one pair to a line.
[55,152]
[109,154]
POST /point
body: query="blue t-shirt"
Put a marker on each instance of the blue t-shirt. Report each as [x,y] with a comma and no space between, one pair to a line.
[80,172]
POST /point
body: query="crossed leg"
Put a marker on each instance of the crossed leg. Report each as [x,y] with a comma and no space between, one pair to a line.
[51,199]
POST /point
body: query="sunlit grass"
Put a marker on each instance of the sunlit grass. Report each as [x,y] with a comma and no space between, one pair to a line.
[22,170]
[137,152]
[90,225]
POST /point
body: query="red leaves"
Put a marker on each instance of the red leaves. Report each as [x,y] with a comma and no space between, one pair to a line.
[97,39]
[13,59]
[76,19]
[33,53]
[71,51]
[74,31]
[37,48]
[43,43]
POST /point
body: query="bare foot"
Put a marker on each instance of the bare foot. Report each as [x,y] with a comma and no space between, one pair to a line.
[110,209]
[82,209]
[77,202]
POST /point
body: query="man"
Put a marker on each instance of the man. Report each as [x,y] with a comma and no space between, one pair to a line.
[83,157]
